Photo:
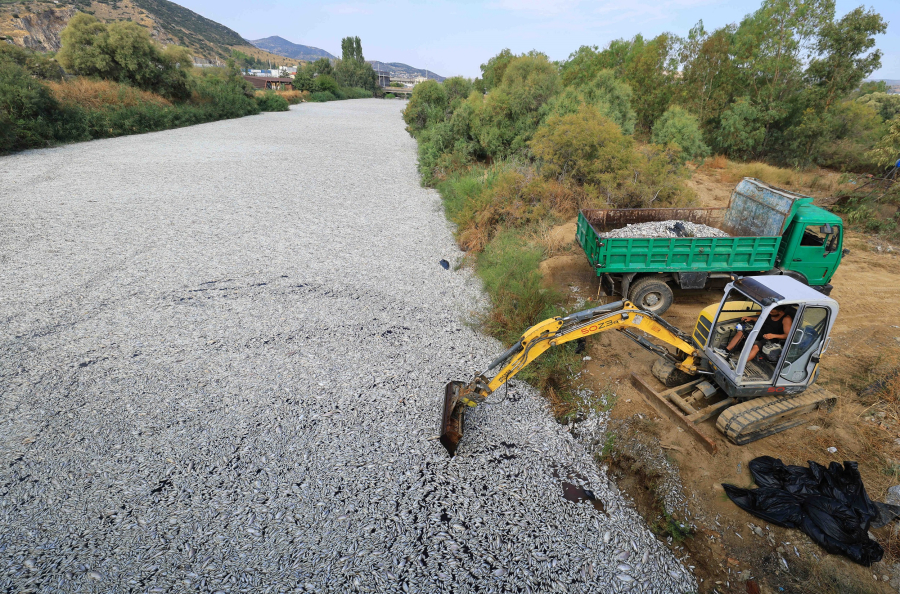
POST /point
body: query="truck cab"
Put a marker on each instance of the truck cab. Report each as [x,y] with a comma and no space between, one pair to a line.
[812,246]
[786,366]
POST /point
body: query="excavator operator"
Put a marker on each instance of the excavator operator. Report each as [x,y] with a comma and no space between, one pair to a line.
[775,328]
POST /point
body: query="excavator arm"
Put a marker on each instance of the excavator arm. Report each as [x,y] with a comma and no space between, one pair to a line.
[621,316]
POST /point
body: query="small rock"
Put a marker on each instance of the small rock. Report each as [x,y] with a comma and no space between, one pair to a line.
[813,428]
[893,495]
[586,359]
[831,450]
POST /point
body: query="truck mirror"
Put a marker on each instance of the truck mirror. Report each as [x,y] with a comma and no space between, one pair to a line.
[826,229]
[846,252]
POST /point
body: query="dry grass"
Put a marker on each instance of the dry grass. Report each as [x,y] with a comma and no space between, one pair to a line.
[292,97]
[100,94]
[813,181]
[551,241]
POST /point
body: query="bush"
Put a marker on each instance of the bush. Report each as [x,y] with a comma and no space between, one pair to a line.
[321,97]
[37,65]
[887,106]
[584,147]
[356,93]
[270,101]
[124,52]
[741,131]
[29,115]
[426,106]
[608,94]
[678,127]
[390,96]
[324,83]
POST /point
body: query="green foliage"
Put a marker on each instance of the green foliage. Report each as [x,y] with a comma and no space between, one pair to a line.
[319,67]
[605,91]
[390,96]
[887,151]
[325,83]
[28,112]
[352,70]
[321,97]
[512,111]
[678,127]
[741,131]
[124,52]
[37,65]
[853,129]
[246,60]
[492,71]
[872,86]
[585,147]
[426,106]
[270,101]
[509,269]
[887,106]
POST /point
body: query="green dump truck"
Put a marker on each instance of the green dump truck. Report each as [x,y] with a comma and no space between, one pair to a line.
[771,231]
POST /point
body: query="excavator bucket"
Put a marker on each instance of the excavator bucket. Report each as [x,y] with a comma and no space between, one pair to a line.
[453,417]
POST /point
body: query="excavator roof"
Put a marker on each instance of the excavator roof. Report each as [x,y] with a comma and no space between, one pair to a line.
[773,289]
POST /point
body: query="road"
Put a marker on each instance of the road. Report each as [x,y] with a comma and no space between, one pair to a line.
[222,351]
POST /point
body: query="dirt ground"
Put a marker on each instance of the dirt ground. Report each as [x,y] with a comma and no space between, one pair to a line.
[728,554]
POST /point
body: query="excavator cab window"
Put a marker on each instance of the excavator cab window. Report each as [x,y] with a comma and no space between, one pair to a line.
[804,346]
[735,306]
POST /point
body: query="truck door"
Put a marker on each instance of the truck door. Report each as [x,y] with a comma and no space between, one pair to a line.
[816,251]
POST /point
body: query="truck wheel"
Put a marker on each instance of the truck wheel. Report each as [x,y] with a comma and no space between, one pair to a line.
[651,295]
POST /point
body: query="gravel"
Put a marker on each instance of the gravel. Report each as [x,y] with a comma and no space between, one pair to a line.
[223,350]
[666,229]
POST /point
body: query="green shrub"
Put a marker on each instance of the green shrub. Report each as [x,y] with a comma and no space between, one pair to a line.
[741,131]
[325,83]
[271,102]
[390,96]
[124,52]
[678,127]
[38,65]
[610,95]
[887,106]
[321,97]
[585,147]
[426,106]
[29,115]
[356,93]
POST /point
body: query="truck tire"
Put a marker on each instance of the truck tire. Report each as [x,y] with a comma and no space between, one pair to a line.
[651,295]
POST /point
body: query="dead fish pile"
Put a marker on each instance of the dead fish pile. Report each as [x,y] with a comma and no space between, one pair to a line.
[197,397]
[666,229]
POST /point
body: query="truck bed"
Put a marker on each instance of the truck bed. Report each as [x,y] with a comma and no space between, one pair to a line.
[684,254]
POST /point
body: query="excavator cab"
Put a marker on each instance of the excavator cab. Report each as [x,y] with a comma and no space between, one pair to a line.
[781,366]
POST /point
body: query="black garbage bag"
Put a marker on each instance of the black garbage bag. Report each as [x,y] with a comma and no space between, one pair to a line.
[830,505]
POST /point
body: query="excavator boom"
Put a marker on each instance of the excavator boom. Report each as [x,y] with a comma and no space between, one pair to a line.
[621,316]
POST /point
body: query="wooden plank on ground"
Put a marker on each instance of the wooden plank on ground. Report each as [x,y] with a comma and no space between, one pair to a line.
[667,409]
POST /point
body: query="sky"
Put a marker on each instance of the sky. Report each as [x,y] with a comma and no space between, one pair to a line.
[455,38]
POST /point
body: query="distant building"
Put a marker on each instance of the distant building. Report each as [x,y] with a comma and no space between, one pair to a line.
[408,82]
[270,82]
[384,78]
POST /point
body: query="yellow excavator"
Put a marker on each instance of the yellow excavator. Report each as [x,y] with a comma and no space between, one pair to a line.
[754,397]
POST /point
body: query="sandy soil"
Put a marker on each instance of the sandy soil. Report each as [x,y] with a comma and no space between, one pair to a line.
[866,337]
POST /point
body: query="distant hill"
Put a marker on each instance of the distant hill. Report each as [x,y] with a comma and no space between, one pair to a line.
[398,70]
[37,25]
[283,47]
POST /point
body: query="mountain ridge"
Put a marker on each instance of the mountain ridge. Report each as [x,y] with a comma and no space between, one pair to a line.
[289,49]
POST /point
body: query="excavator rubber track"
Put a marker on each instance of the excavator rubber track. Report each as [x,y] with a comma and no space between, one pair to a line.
[761,417]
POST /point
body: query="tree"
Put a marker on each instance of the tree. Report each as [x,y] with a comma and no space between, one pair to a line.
[584,147]
[679,127]
[609,94]
[492,71]
[124,52]
[352,70]
[887,151]
[426,106]
[844,57]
